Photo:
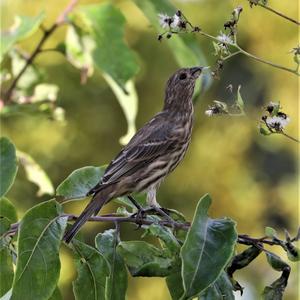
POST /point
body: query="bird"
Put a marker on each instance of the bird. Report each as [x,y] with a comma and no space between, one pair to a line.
[152,153]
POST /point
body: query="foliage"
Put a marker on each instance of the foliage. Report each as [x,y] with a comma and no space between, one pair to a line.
[197,259]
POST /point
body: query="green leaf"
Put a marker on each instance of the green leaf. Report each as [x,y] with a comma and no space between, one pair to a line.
[116,284]
[207,249]
[129,104]
[4,225]
[8,210]
[264,131]
[185,48]
[220,289]
[35,174]
[276,289]
[6,265]
[22,28]
[117,62]
[166,237]
[92,269]
[38,264]
[8,165]
[270,232]
[56,295]
[143,259]
[79,182]
[107,28]
[174,283]
[8,215]
[276,262]
[79,49]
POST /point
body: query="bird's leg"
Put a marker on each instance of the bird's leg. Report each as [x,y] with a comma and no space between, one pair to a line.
[139,215]
[151,200]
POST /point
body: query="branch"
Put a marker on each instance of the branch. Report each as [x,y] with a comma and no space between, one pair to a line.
[61,20]
[117,219]
[253,2]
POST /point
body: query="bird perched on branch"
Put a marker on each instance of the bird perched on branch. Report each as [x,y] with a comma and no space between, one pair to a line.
[153,152]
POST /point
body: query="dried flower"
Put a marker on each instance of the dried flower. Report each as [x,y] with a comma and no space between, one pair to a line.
[277,122]
[176,21]
[273,106]
[165,21]
[236,13]
[217,108]
[224,38]
[209,112]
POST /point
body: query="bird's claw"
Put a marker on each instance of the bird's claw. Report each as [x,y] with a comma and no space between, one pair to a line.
[139,216]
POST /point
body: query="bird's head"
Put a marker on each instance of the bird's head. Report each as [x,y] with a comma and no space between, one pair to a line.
[180,86]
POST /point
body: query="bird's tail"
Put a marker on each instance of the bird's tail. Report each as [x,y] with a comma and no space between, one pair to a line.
[93,207]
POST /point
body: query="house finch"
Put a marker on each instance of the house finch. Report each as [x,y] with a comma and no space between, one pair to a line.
[153,152]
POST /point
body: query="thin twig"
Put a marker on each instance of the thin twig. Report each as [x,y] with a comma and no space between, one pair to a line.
[240,50]
[38,49]
[275,12]
[116,219]
[289,137]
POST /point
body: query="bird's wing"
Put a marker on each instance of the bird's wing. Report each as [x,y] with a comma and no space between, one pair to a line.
[151,141]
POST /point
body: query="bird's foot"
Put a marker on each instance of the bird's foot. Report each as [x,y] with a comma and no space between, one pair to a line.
[164,212]
[139,216]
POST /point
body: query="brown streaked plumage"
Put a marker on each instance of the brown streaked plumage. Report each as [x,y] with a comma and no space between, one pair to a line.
[153,152]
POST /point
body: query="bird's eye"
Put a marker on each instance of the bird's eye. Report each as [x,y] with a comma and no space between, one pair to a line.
[182,76]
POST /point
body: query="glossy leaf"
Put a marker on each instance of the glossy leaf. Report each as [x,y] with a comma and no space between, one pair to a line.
[8,165]
[56,295]
[107,23]
[79,182]
[4,225]
[116,284]
[92,270]
[8,210]
[6,266]
[276,262]
[36,174]
[165,235]
[38,264]
[143,259]
[8,215]
[174,283]
[185,48]
[209,245]
[22,28]
[220,289]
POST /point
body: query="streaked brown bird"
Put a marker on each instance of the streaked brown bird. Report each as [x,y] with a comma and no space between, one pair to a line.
[153,152]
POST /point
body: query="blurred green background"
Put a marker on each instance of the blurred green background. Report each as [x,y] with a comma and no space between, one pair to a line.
[252,179]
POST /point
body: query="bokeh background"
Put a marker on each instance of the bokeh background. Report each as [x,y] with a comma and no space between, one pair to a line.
[252,179]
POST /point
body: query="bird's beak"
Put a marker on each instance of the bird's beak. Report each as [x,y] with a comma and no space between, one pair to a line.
[196,71]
